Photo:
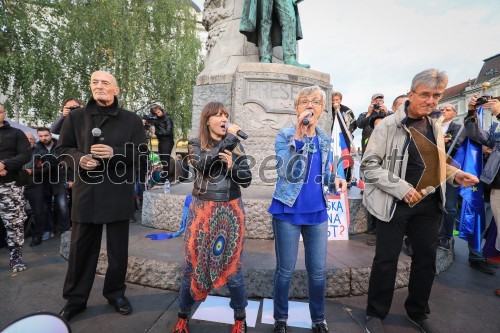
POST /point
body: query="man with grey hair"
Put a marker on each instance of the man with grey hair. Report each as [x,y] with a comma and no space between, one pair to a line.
[406,173]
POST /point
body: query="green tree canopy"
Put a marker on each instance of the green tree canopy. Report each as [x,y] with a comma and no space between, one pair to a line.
[48,49]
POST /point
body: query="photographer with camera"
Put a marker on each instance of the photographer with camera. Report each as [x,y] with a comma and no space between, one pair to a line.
[69,104]
[375,109]
[164,131]
[490,174]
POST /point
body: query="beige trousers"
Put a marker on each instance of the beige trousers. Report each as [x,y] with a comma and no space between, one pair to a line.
[495,208]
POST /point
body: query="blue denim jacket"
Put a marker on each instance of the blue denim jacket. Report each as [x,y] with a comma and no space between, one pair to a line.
[292,165]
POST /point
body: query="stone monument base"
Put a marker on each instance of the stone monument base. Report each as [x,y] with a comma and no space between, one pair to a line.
[158,264]
[164,211]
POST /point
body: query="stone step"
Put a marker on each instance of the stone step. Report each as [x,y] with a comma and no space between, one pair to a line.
[164,211]
[158,264]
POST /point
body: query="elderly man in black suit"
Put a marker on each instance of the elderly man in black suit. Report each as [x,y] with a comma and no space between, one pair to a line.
[103,192]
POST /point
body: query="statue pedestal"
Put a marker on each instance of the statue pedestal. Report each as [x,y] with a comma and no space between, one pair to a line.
[260,99]
[164,211]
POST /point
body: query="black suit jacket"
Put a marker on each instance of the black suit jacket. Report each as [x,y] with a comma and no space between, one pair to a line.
[107,193]
[453,130]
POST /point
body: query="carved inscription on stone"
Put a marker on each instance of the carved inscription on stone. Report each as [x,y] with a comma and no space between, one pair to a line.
[274,96]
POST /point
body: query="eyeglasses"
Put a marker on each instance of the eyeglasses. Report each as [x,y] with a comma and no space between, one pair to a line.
[427,95]
[446,109]
[305,102]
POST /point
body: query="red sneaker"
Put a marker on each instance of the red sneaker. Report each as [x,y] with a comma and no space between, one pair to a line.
[181,326]
[240,326]
[494,259]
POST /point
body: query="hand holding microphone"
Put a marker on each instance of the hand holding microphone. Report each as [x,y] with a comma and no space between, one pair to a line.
[100,150]
[96,134]
[413,196]
[236,130]
[307,119]
[302,125]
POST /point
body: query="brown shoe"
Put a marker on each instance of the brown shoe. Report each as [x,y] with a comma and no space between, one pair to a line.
[497,292]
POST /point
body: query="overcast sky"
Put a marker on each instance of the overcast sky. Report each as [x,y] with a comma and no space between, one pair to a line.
[378,46]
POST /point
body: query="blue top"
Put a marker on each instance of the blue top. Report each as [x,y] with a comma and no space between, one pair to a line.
[309,207]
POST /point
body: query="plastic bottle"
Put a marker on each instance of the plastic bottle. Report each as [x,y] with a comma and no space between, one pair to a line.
[166,187]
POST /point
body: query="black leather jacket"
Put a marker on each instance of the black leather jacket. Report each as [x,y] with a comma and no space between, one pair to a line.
[214,182]
[164,127]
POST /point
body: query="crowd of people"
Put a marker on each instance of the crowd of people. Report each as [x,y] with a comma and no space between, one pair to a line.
[409,198]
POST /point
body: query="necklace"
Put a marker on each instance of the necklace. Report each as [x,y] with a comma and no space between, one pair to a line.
[309,146]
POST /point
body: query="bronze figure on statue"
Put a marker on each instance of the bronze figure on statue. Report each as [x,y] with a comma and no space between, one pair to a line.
[269,23]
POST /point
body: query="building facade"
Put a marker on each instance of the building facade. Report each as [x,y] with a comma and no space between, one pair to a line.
[460,94]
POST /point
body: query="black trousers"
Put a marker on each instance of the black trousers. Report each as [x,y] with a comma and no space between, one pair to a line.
[348,173]
[83,257]
[164,151]
[40,199]
[422,224]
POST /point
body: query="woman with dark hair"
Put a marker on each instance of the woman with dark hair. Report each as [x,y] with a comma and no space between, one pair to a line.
[215,225]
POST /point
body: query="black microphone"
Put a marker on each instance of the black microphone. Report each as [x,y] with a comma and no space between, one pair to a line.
[96,133]
[307,119]
[240,133]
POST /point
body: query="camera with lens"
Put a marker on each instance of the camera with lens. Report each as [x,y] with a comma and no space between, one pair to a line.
[483,100]
[376,106]
[74,107]
[150,119]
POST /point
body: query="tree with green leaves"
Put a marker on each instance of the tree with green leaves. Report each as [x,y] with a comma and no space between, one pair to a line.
[48,49]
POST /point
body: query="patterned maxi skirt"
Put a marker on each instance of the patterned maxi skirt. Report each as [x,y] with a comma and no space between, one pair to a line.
[213,243]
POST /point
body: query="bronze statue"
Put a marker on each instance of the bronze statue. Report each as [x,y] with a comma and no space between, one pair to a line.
[269,23]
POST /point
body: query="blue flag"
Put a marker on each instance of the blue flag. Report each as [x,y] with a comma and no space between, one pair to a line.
[472,217]
[161,236]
